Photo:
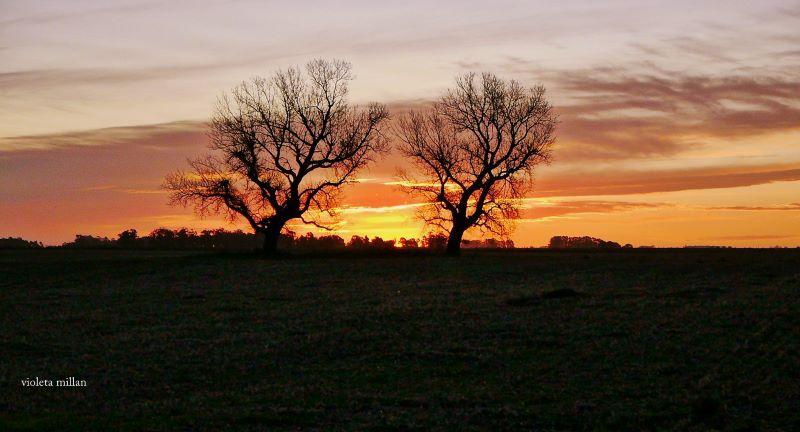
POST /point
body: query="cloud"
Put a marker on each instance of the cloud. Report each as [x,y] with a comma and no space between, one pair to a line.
[379,209]
[652,107]
[578,183]
[90,166]
[640,111]
[613,114]
[791,11]
[536,210]
[147,136]
[21,81]
[751,237]
[784,207]
[137,157]
[52,16]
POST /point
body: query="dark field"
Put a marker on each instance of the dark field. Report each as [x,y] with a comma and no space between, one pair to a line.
[654,340]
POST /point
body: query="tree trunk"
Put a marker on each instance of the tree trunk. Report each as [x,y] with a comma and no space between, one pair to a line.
[454,241]
[271,235]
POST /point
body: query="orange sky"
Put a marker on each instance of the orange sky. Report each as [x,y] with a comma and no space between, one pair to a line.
[680,122]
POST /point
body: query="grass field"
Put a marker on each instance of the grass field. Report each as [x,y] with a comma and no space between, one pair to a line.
[654,340]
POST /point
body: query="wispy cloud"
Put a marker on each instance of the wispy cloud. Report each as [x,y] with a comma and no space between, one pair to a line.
[622,182]
[536,211]
[52,16]
[385,209]
[618,114]
[751,237]
[782,207]
[147,136]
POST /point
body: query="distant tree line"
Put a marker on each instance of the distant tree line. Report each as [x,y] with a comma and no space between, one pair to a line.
[221,239]
[163,238]
[489,243]
[585,242]
[19,243]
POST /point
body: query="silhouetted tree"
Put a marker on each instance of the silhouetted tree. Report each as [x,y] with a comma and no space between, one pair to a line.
[378,243]
[358,242]
[162,238]
[476,149]
[410,243]
[330,242]
[127,238]
[436,241]
[90,242]
[284,147]
[322,243]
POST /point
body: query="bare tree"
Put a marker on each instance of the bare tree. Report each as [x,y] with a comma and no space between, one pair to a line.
[476,149]
[282,149]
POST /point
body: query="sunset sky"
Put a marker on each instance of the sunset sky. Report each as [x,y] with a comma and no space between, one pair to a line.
[680,120]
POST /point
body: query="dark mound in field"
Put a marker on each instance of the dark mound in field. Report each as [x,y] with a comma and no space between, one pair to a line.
[523,301]
[560,293]
[708,411]
[547,295]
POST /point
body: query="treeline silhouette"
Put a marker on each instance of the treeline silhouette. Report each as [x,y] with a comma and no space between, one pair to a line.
[585,242]
[224,240]
[163,238]
[19,243]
